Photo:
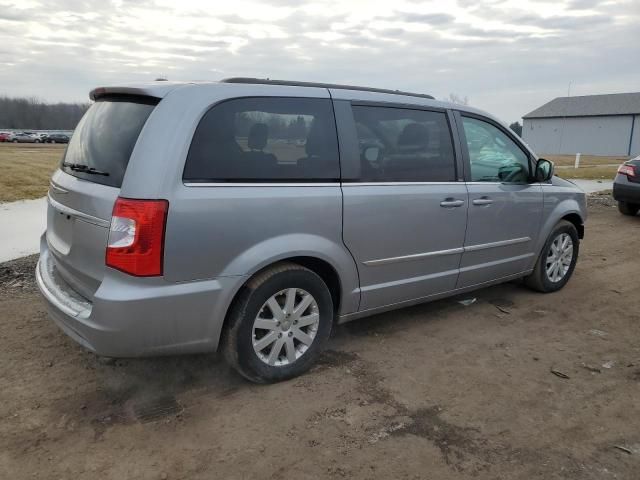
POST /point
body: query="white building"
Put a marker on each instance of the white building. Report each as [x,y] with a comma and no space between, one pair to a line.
[591,124]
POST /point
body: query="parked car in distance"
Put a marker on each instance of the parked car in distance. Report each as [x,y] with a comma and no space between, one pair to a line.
[276,209]
[55,138]
[626,187]
[4,136]
[23,137]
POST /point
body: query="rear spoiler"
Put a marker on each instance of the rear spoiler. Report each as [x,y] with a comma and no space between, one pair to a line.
[157,90]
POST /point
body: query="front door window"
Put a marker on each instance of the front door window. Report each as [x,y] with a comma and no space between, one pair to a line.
[493,156]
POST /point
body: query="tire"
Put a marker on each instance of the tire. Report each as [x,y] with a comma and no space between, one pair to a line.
[627,208]
[52,141]
[241,338]
[540,279]
[15,141]
[37,141]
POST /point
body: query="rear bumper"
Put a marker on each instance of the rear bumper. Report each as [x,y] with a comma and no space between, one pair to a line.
[131,317]
[626,191]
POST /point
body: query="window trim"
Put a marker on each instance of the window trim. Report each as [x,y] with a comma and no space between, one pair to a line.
[356,179]
[216,182]
[262,184]
[459,115]
[403,106]
[396,184]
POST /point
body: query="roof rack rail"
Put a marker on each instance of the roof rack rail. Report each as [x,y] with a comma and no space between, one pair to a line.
[267,81]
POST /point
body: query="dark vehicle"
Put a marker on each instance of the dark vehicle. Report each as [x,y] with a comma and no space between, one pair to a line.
[626,187]
[55,138]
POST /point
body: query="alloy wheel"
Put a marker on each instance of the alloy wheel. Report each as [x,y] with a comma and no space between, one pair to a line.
[559,257]
[285,327]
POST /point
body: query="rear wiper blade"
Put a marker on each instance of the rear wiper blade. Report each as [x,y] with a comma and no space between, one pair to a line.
[79,167]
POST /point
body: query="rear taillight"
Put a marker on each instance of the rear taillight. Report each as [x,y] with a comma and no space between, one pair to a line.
[627,170]
[136,236]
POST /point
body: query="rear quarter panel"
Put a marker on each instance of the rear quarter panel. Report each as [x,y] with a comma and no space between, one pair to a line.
[225,231]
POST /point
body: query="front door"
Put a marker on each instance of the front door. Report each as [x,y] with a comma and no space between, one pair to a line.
[405,215]
[505,210]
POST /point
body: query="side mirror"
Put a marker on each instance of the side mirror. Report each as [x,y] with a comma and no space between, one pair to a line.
[544,170]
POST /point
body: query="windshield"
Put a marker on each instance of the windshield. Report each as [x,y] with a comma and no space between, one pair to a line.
[105,137]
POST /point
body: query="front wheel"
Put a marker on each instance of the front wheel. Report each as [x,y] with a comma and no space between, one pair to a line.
[627,208]
[557,260]
[279,324]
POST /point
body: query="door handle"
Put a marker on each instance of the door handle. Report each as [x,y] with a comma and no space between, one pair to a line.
[483,201]
[451,203]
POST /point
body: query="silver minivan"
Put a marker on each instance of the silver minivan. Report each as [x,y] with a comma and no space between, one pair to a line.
[253,215]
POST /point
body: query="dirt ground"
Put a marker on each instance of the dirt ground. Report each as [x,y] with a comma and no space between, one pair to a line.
[438,391]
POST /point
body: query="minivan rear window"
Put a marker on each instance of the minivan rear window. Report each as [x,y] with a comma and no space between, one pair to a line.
[102,143]
[274,139]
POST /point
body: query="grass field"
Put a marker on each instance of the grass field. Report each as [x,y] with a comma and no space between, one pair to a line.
[585,160]
[588,173]
[26,169]
[592,167]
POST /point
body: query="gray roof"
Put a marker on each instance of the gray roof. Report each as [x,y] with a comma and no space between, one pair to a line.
[589,105]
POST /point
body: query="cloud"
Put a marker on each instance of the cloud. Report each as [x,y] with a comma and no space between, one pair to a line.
[428,18]
[14,16]
[583,4]
[562,22]
[507,57]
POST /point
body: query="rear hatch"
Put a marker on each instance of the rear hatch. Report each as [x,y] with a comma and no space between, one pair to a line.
[83,191]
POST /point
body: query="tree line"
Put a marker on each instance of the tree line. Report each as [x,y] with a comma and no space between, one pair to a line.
[34,114]
[284,127]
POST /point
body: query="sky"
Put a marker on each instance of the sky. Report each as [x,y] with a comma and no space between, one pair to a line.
[507,57]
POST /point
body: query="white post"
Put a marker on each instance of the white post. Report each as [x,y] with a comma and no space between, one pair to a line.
[577,164]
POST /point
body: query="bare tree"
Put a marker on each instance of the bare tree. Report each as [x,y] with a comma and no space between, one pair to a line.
[32,113]
[517,128]
[455,98]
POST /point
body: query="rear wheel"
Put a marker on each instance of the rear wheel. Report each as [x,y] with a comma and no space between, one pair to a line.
[557,260]
[279,324]
[627,208]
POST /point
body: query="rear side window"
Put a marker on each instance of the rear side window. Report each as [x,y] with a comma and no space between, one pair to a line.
[104,139]
[265,139]
[404,145]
